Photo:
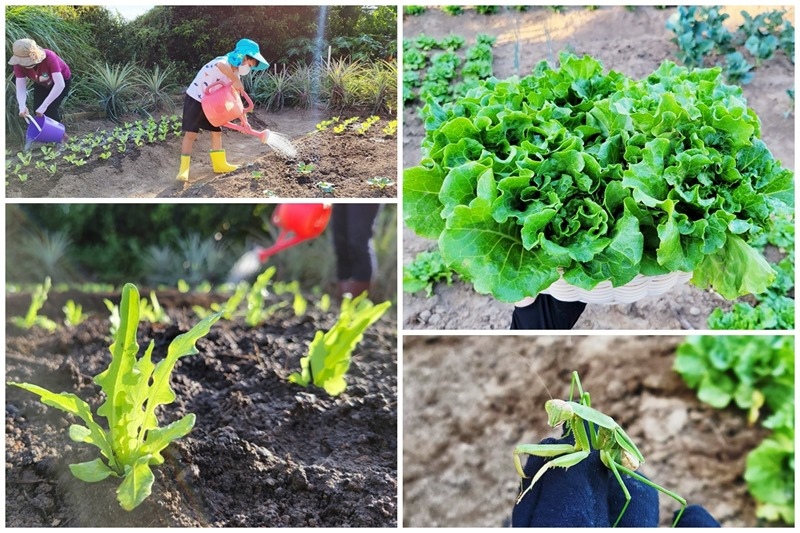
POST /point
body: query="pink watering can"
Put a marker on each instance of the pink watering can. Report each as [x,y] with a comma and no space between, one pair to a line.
[298,223]
[222,104]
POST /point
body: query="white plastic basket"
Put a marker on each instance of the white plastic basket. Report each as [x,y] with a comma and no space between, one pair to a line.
[638,288]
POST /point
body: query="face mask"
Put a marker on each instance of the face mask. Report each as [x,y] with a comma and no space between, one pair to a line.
[244,70]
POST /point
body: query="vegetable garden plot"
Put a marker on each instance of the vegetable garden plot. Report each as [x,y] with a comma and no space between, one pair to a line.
[132,165]
[542,37]
[457,463]
[357,158]
[263,452]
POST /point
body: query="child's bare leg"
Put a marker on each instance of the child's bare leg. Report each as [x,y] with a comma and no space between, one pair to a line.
[216,140]
[188,142]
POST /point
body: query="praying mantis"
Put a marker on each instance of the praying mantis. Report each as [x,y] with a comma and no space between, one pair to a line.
[617,451]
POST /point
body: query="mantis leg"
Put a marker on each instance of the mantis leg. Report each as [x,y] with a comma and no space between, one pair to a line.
[539,450]
[584,399]
[613,467]
[616,468]
[563,461]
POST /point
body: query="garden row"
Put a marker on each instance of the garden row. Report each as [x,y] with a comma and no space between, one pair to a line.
[112,145]
[703,39]
[442,76]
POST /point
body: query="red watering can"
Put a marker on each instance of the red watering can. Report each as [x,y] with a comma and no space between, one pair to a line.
[222,104]
[298,223]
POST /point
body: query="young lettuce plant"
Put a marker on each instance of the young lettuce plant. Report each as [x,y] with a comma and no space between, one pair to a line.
[32,317]
[255,313]
[329,353]
[73,313]
[134,387]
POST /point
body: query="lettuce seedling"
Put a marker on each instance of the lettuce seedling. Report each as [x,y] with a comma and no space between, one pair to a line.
[32,317]
[73,313]
[329,353]
[134,387]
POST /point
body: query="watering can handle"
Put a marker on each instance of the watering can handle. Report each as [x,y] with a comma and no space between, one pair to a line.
[33,121]
[249,107]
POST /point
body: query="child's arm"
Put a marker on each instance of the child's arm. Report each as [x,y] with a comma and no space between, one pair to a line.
[232,74]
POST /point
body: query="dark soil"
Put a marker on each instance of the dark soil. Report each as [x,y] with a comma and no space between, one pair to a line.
[263,452]
[469,401]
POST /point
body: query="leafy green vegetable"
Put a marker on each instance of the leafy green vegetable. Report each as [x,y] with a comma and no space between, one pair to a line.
[255,312]
[32,317]
[757,374]
[737,69]
[329,353]
[487,10]
[773,309]
[414,10]
[73,313]
[134,387]
[770,477]
[699,31]
[595,176]
[751,371]
[424,272]
[453,10]
[153,312]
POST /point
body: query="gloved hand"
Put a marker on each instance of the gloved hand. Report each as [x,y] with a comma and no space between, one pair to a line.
[588,495]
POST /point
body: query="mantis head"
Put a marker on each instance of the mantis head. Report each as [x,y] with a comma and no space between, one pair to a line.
[558,411]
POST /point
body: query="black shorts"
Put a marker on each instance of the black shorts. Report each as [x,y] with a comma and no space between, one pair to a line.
[193,117]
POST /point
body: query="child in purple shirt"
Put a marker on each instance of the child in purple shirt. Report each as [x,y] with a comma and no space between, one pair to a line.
[50,74]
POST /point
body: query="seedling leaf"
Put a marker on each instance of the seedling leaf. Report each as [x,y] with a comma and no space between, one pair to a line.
[134,388]
[91,471]
[330,352]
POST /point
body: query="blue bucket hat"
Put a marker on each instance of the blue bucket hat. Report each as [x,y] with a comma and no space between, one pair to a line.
[247,47]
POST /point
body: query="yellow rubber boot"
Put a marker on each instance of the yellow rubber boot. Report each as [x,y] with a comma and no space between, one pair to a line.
[219,163]
[183,173]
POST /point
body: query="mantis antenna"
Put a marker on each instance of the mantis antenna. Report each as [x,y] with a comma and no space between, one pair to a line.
[541,380]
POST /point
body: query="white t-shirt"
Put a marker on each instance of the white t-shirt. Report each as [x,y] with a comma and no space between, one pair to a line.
[208,75]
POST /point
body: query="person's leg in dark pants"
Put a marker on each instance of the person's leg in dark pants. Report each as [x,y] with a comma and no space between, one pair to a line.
[547,313]
[352,226]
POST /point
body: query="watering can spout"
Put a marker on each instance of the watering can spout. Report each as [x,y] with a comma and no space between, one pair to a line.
[262,135]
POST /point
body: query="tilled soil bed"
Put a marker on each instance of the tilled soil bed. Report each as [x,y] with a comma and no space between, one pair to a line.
[263,452]
[469,401]
[344,160]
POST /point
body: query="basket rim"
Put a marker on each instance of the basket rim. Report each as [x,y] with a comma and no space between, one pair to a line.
[639,287]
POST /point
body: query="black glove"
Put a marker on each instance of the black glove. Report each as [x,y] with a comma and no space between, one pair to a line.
[588,495]
[547,313]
